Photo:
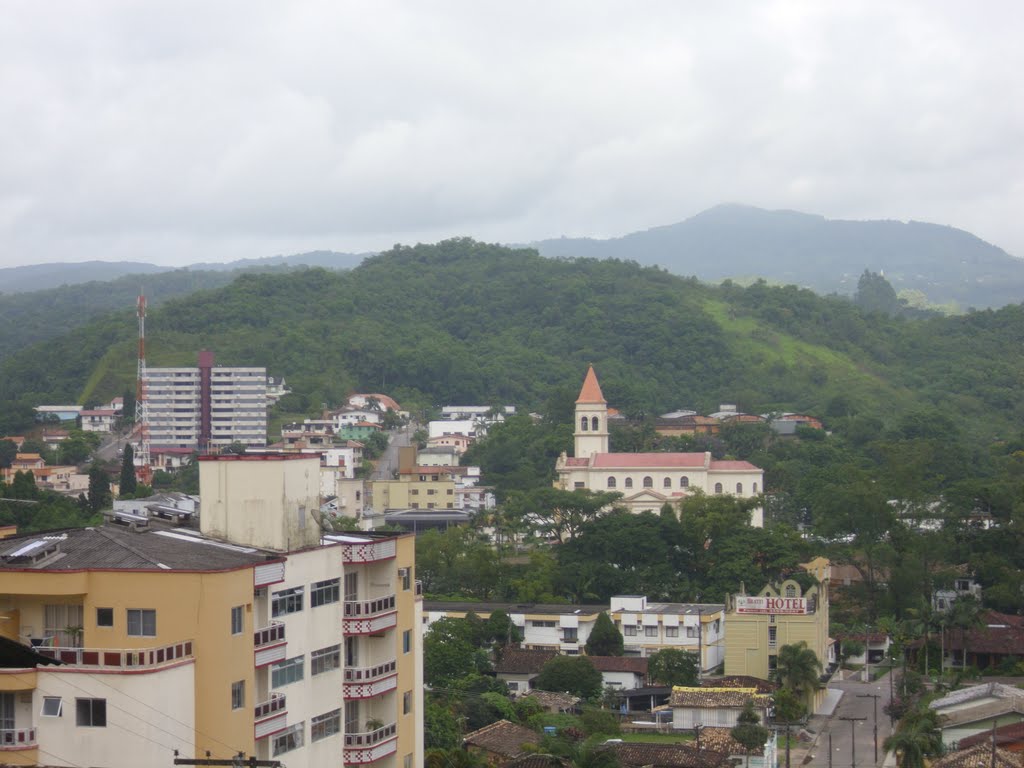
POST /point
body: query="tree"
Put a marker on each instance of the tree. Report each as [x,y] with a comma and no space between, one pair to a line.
[875,294]
[917,737]
[789,708]
[570,674]
[8,452]
[798,669]
[129,482]
[748,730]
[605,638]
[850,647]
[562,514]
[672,666]
[99,489]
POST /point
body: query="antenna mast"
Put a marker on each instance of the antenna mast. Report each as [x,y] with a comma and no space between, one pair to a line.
[141,405]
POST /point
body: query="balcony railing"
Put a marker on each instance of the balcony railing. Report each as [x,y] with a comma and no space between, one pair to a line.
[366,682]
[369,552]
[365,674]
[372,745]
[271,635]
[17,738]
[265,709]
[367,617]
[109,658]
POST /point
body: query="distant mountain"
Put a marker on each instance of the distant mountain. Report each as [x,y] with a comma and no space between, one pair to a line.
[38,277]
[735,241]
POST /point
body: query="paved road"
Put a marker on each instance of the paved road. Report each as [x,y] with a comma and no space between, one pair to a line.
[845,737]
[388,464]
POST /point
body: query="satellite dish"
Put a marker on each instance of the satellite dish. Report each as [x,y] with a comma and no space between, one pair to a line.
[325,523]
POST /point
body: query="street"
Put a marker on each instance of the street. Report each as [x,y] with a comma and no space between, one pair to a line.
[388,464]
[852,726]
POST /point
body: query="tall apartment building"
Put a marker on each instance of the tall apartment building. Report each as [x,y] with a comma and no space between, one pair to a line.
[208,406]
[251,634]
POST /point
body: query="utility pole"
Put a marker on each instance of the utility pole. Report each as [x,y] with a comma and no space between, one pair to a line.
[876,697]
[830,749]
[853,739]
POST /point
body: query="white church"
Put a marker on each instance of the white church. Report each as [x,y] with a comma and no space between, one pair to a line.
[645,480]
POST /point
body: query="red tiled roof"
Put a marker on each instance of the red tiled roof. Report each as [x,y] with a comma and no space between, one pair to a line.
[502,738]
[721,740]
[634,664]
[635,755]
[575,462]
[1006,639]
[516,661]
[740,681]
[720,465]
[979,756]
[591,390]
[1012,733]
[649,460]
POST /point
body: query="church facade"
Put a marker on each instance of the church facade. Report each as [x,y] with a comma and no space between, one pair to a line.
[645,480]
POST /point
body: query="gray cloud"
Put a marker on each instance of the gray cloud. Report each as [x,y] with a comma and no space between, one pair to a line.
[193,131]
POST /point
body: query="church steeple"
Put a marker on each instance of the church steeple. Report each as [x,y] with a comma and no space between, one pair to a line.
[591,428]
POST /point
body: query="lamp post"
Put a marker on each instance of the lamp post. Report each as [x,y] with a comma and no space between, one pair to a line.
[874,696]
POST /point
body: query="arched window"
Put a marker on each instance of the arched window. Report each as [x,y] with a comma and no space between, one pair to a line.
[593,424]
[583,424]
[667,483]
[755,489]
[648,482]
[790,590]
[629,482]
[611,482]
[718,487]
[684,482]
[739,488]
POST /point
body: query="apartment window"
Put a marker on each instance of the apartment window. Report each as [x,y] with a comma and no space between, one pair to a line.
[237,619]
[691,632]
[570,635]
[415,491]
[629,630]
[287,740]
[324,592]
[543,623]
[772,636]
[352,717]
[287,671]
[238,694]
[407,641]
[91,713]
[650,631]
[431,492]
[351,586]
[104,617]
[53,706]
[407,702]
[405,574]
[671,631]
[325,659]
[327,724]
[141,622]
[287,601]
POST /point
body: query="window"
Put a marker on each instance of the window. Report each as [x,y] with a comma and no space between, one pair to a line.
[584,424]
[325,659]
[739,488]
[593,424]
[407,761]
[91,713]
[773,633]
[691,632]
[287,601]
[324,592]
[671,631]
[754,490]
[327,724]
[431,492]
[238,694]
[650,631]
[570,635]
[513,685]
[718,487]
[543,623]
[141,622]
[53,706]
[104,617]
[684,482]
[290,738]
[629,630]
[351,586]
[611,482]
[407,641]
[648,482]
[415,491]
[237,619]
[287,671]
[407,702]
[405,574]
[629,482]
[352,717]
[667,482]
[351,652]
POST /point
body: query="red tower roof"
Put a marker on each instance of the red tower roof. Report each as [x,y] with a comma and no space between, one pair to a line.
[591,391]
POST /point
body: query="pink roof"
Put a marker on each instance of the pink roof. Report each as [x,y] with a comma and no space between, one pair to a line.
[571,461]
[645,460]
[732,465]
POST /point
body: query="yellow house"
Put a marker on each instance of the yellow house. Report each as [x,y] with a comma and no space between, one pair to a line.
[757,626]
[413,493]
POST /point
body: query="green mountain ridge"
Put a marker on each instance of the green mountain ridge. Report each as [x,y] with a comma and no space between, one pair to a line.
[463,321]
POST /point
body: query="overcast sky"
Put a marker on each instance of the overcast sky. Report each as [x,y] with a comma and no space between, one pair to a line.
[197,131]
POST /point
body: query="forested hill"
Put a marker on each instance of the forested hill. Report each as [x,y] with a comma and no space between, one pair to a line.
[735,241]
[467,322]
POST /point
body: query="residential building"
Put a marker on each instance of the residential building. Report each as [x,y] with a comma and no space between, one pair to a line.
[500,742]
[206,407]
[713,706]
[976,709]
[623,673]
[757,626]
[459,442]
[98,419]
[519,668]
[487,413]
[645,480]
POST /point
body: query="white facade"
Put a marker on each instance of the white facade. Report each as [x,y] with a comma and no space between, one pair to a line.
[466,428]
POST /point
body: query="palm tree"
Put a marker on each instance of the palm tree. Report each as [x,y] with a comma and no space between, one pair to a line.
[965,614]
[798,669]
[918,737]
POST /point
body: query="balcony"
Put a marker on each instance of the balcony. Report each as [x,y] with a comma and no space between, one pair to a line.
[369,552]
[269,644]
[17,738]
[363,748]
[120,659]
[364,682]
[368,617]
[270,716]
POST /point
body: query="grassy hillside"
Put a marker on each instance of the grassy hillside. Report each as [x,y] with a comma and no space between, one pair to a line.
[468,322]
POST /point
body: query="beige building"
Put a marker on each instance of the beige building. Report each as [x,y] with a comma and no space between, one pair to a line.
[645,480]
[757,626]
[253,635]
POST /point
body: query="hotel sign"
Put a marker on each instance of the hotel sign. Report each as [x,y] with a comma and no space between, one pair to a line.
[783,605]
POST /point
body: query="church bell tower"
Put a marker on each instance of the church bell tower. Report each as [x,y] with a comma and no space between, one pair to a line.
[591,429]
